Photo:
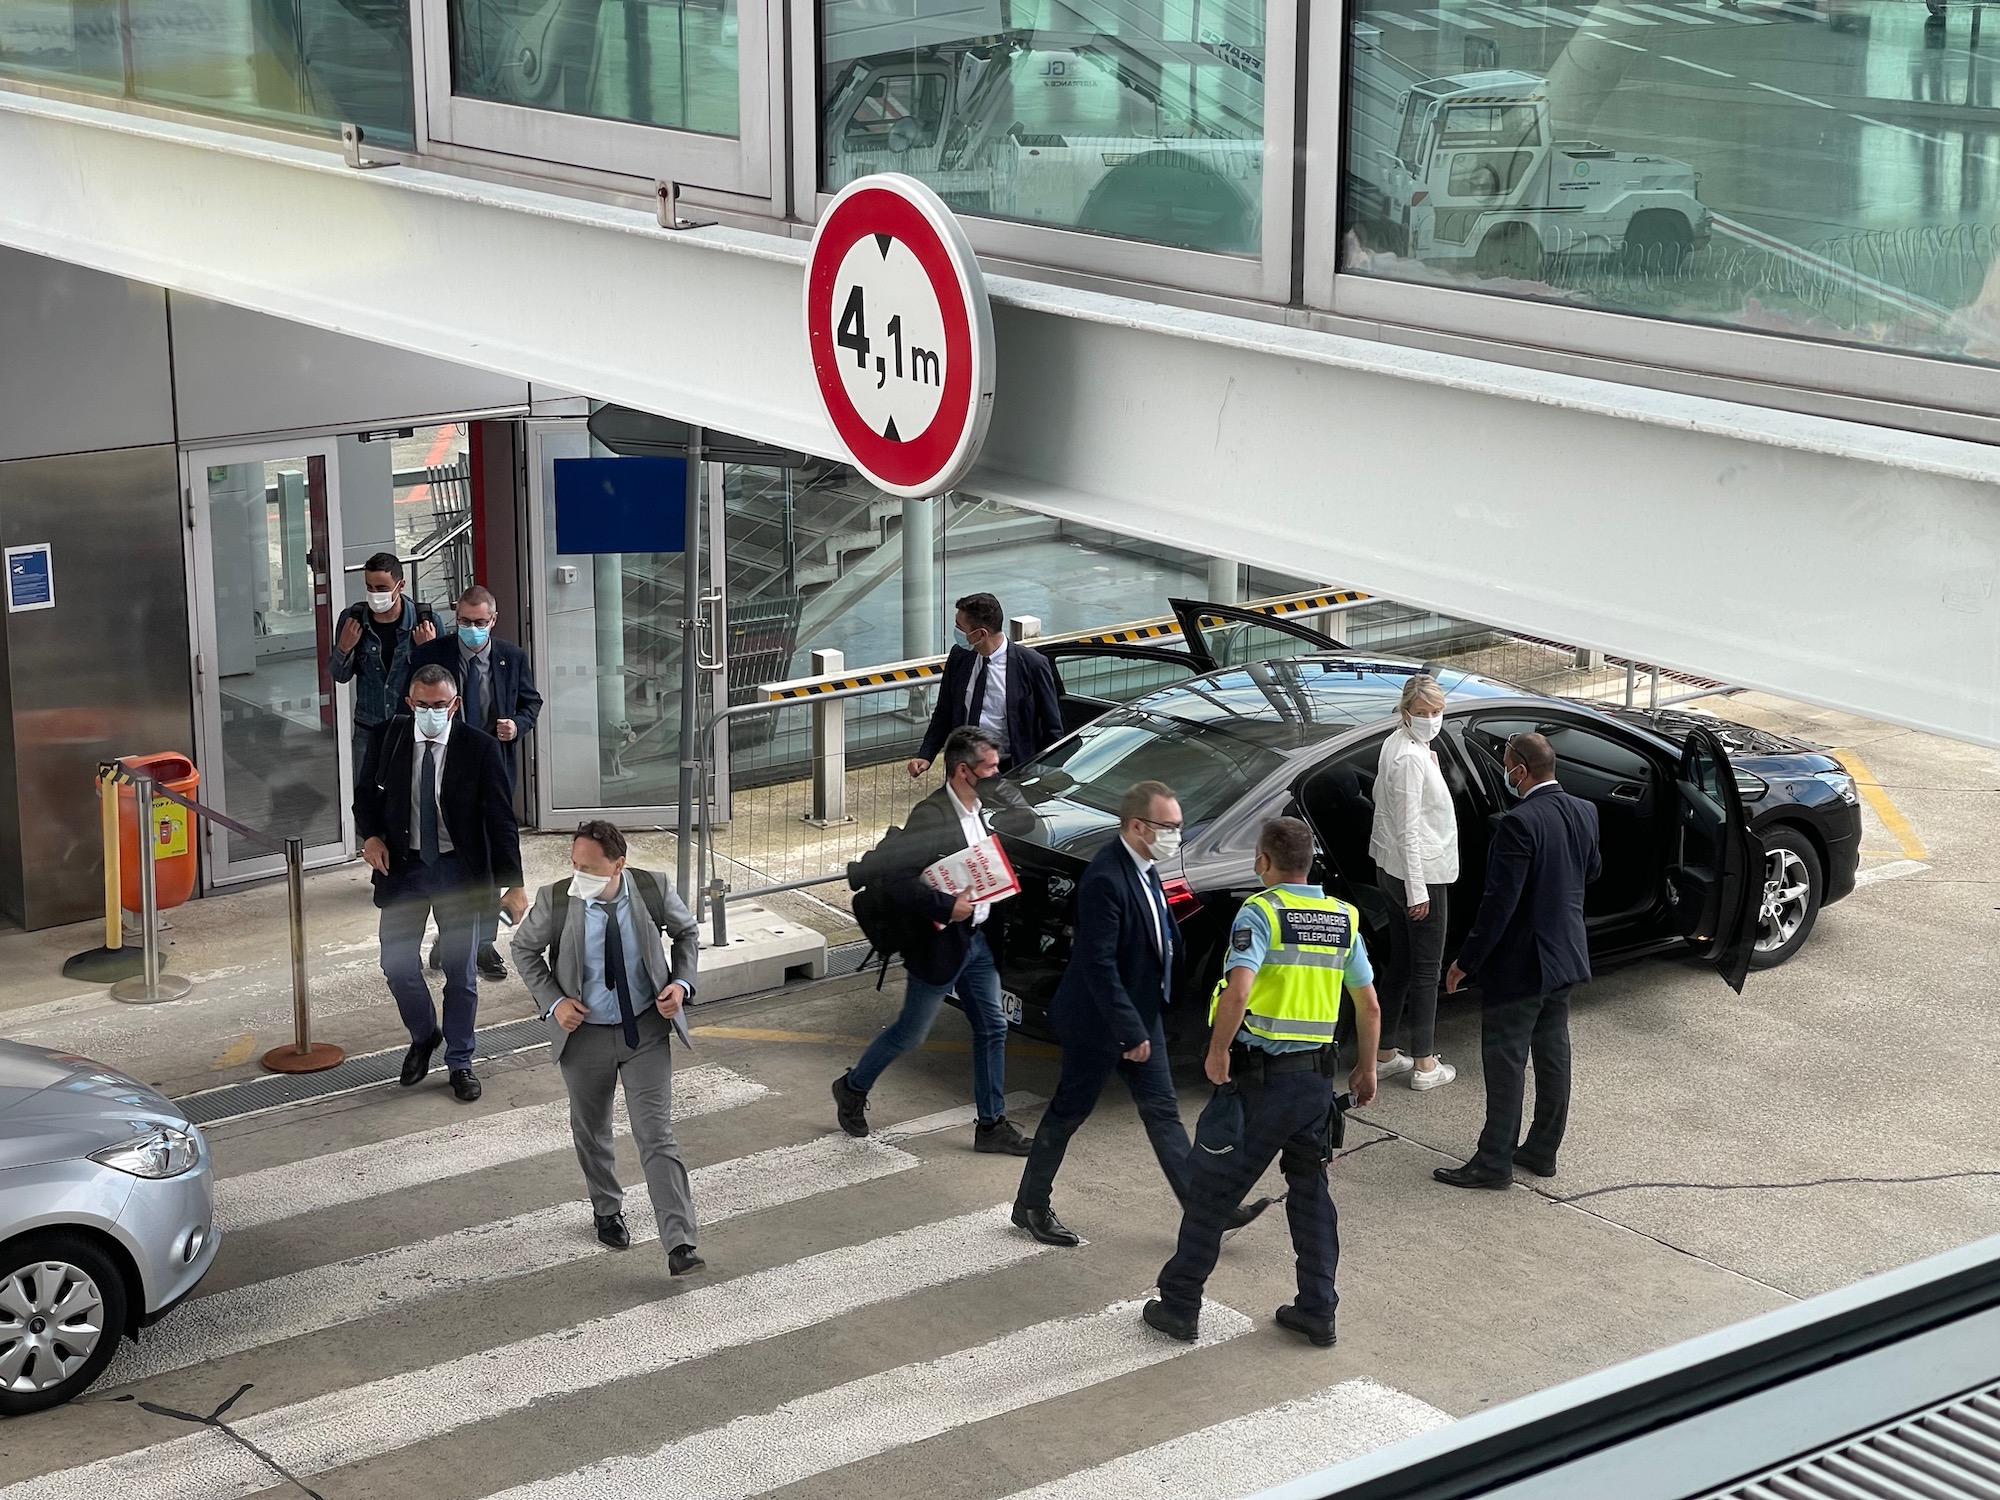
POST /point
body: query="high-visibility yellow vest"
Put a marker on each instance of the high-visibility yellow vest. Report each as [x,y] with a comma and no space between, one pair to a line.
[1295,996]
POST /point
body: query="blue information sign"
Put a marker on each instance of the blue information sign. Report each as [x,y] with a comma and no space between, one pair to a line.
[621,505]
[31,579]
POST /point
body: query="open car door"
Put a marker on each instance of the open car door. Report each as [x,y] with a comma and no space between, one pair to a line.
[1227,635]
[1094,677]
[1715,881]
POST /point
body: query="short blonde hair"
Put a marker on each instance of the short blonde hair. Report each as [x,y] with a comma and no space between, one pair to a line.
[1420,691]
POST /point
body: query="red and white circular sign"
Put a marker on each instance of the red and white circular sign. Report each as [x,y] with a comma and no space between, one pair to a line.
[901,334]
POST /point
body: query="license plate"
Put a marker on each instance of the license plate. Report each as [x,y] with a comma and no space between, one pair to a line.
[1010,1007]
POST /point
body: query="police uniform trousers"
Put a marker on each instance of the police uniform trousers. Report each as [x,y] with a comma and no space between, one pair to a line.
[1284,1116]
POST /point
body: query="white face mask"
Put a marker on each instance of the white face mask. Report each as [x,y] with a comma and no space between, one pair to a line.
[1425,728]
[1166,843]
[382,603]
[585,886]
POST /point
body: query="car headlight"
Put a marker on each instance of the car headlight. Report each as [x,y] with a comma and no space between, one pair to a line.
[165,1152]
[1842,784]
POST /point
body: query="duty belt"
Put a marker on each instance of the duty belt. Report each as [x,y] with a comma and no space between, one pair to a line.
[1256,1064]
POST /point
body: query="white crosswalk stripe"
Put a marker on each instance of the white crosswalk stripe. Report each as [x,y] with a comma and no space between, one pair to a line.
[1252,1453]
[1478,14]
[361,1172]
[833,1428]
[285,1307]
[367,1421]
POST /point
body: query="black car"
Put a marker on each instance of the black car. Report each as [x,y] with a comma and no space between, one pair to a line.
[1716,837]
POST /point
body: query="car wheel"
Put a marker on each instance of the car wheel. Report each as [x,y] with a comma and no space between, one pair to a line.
[62,1312]
[1793,885]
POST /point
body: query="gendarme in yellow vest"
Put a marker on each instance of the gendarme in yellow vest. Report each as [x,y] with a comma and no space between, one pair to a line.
[1295,996]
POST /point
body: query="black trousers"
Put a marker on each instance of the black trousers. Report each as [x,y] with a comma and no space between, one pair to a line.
[1406,978]
[1509,1032]
[1085,1071]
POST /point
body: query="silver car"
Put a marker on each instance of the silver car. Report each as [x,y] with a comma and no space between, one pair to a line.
[106,1219]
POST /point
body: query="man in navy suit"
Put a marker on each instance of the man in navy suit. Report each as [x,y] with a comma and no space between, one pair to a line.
[1005,689]
[1107,1008]
[496,696]
[1526,948]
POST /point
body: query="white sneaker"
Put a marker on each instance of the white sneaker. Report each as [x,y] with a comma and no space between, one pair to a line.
[1436,1078]
[1402,1062]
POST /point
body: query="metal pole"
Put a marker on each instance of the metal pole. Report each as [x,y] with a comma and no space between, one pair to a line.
[107,817]
[1652,690]
[1631,682]
[149,985]
[304,1055]
[690,667]
[829,747]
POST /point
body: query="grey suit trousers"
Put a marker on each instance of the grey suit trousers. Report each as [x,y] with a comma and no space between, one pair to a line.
[595,1060]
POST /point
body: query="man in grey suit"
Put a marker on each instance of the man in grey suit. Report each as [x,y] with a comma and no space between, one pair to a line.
[590,953]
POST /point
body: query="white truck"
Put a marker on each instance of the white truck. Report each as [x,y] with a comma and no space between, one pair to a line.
[1462,172]
[1095,127]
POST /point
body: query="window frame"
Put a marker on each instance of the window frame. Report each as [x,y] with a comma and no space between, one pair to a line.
[1265,277]
[746,165]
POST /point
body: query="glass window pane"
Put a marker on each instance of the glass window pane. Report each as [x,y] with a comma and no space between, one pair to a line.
[1823,168]
[653,62]
[1144,120]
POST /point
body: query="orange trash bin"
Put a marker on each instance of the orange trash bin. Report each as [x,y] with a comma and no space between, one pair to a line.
[170,826]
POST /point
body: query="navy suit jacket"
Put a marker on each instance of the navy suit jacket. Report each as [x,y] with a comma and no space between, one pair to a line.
[1034,712]
[1528,937]
[474,800]
[1117,981]
[514,695]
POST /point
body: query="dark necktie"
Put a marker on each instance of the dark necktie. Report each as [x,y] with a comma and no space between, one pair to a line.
[475,710]
[978,705]
[427,813]
[1163,918]
[614,974]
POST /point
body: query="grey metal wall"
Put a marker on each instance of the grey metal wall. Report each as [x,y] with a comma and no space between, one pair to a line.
[105,673]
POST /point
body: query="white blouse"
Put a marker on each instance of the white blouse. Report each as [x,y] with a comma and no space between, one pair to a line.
[1415,837]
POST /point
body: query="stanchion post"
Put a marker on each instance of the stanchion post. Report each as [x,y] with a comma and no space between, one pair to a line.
[304,1055]
[107,817]
[829,747]
[149,985]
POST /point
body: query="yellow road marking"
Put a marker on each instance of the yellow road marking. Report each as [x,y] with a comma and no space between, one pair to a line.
[1890,814]
[237,1052]
[835,1038]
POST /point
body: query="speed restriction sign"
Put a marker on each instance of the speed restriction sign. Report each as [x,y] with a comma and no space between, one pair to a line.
[901,334]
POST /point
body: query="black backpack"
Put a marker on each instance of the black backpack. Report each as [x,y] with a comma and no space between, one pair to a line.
[649,892]
[888,927]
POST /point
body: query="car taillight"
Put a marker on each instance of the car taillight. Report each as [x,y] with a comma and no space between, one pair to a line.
[1181,899]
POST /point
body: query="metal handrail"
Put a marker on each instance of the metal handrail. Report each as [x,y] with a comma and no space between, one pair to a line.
[428,550]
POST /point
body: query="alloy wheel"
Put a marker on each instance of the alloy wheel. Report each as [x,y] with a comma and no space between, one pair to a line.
[51,1319]
[1787,899]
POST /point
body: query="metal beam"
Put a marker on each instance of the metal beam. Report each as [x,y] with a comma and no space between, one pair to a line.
[1841,564]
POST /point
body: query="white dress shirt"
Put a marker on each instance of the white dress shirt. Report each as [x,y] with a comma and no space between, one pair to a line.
[1146,879]
[991,715]
[1415,835]
[445,845]
[973,826]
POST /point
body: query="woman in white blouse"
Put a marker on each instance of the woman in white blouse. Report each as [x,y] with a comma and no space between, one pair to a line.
[1415,848]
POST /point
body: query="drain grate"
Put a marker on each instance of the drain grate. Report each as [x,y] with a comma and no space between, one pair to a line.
[254,1095]
[1951,1452]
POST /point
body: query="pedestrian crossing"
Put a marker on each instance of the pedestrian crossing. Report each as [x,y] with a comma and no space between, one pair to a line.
[1021,1356]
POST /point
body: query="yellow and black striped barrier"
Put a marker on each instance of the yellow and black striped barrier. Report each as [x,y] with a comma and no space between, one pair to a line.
[1138,633]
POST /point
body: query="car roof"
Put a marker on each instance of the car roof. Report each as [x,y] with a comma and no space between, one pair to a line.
[1294,702]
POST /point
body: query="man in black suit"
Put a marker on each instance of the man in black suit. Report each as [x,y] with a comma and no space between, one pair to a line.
[1008,690]
[497,696]
[1121,971]
[1526,948]
[952,946]
[436,815]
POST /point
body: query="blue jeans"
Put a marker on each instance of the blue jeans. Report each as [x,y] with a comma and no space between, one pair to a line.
[1085,1071]
[415,893]
[977,986]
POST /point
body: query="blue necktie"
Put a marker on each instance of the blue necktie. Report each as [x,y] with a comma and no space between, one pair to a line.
[614,973]
[475,711]
[1163,914]
[427,814]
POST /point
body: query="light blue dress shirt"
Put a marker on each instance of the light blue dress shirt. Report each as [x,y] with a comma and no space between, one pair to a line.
[600,1000]
[1247,952]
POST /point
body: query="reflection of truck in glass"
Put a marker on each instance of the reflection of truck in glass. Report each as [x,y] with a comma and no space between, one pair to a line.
[1081,128]
[1461,171]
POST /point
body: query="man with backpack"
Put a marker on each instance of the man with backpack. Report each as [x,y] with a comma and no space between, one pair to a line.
[950,945]
[590,953]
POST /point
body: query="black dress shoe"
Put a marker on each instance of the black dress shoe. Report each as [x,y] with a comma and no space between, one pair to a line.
[1535,1164]
[465,1084]
[1318,1330]
[1043,1224]
[1465,1177]
[1246,1213]
[682,1259]
[491,965]
[611,1231]
[417,1061]
[850,1107]
[1000,1136]
[437,955]
[1173,1325]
